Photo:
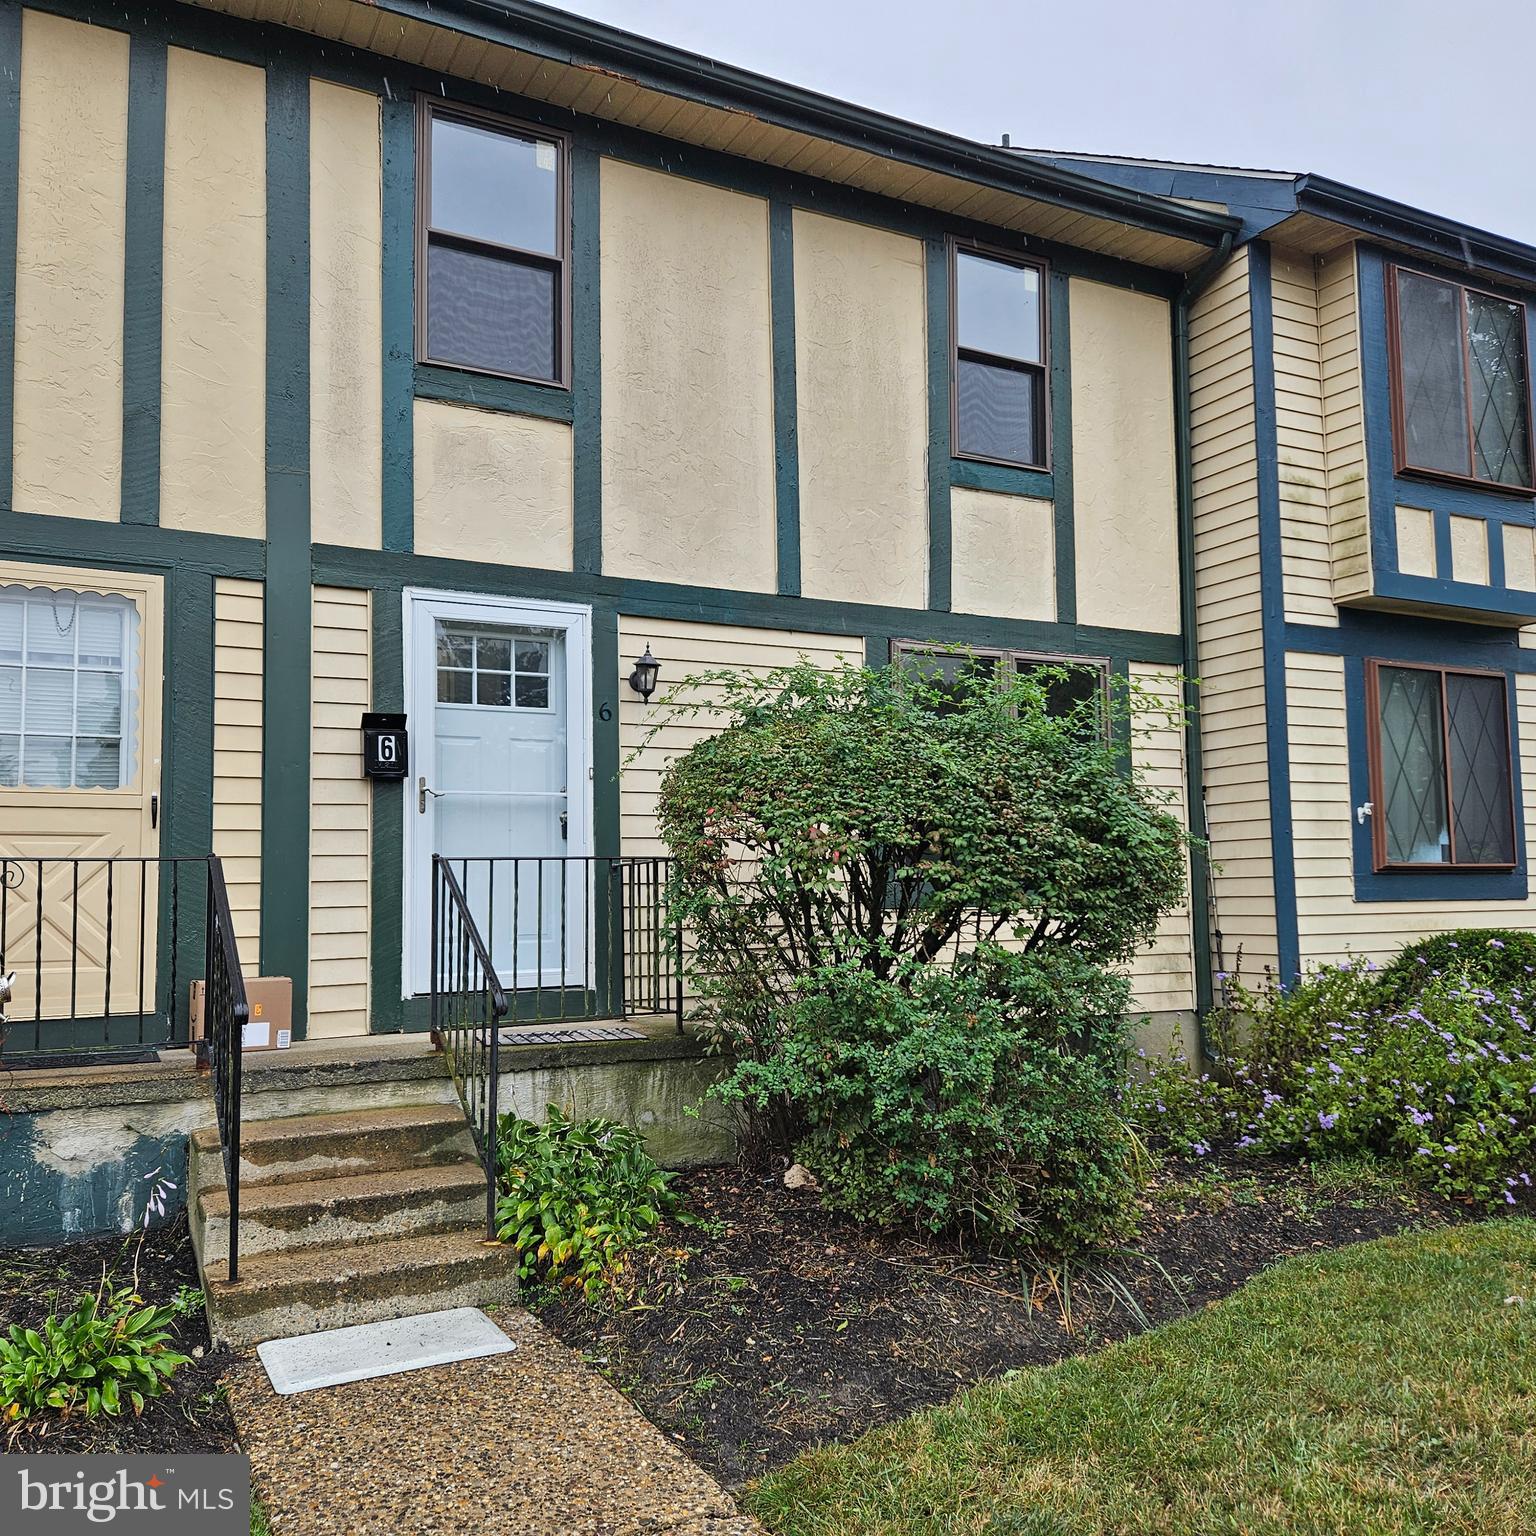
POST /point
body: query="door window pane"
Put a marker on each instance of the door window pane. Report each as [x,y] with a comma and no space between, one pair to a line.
[1478,729]
[1496,348]
[495,186]
[997,307]
[1413,767]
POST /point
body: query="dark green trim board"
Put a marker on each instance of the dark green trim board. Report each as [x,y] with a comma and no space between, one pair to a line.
[1061,449]
[786,421]
[458,386]
[85,541]
[397,130]
[586,361]
[143,269]
[10,157]
[286,705]
[940,529]
[387,873]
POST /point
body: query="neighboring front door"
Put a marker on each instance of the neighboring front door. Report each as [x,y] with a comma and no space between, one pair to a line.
[499,709]
[80,687]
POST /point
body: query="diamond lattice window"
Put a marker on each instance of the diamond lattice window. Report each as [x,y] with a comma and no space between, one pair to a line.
[1441,769]
[1462,387]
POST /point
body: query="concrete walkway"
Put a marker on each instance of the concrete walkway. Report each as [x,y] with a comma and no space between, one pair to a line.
[533,1442]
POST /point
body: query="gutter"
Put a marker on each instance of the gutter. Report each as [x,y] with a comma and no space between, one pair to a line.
[575,40]
[1199,863]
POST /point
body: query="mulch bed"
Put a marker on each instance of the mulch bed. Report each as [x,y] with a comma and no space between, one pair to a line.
[192,1416]
[786,1326]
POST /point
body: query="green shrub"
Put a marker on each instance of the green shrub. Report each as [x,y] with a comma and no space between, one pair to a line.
[576,1196]
[978,1098]
[112,1351]
[1501,958]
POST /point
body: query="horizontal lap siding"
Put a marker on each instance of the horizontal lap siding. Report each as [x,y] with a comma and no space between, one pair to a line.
[1306,556]
[1163,974]
[685,649]
[1332,923]
[1338,306]
[237,745]
[1228,620]
[340,844]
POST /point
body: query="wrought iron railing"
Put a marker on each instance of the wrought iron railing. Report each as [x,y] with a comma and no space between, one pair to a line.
[578,937]
[225,1014]
[468,1005]
[103,949]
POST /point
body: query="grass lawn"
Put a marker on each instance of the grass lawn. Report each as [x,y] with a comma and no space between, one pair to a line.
[1378,1390]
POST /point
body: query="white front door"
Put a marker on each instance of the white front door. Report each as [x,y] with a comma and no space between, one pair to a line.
[499,708]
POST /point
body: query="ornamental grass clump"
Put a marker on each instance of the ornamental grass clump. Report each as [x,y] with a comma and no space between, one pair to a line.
[1440,1085]
[910,893]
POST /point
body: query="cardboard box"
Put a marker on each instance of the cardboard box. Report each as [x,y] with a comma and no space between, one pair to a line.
[270,1026]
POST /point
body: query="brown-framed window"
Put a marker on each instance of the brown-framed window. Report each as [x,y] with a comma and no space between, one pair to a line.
[1461,397]
[1074,681]
[493,223]
[1442,776]
[998,376]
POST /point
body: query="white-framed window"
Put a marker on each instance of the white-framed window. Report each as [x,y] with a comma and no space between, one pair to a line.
[68,689]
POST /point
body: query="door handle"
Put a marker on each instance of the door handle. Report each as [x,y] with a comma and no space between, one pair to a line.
[422,791]
[565,827]
[154,812]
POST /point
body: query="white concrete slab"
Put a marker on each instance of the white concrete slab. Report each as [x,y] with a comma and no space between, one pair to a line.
[316,1360]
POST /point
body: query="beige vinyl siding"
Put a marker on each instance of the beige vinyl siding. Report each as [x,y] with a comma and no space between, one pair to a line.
[684,649]
[1332,924]
[1163,974]
[1305,551]
[1228,577]
[1338,313]
[340,815]
[237,716]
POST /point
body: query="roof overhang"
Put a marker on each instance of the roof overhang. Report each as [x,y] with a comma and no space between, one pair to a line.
[586,67]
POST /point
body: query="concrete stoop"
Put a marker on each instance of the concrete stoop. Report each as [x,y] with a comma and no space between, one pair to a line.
[345,1218]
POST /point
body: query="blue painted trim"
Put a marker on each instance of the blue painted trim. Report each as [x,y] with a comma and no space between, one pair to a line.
[1387,490]
[586,361]
[1006,478]
[1272,612]
[143,267]
[286,709]
[786,423]
[1412,637]
[10,159]
[1437,885]
[1061,449]
[397,128]
[940,529]
[515,396]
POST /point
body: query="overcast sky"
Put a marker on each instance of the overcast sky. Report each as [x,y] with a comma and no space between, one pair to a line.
[1407,98]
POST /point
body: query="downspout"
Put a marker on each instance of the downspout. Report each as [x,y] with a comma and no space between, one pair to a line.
[1199,865]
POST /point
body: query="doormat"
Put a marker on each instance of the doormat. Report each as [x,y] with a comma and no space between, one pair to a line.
[366,1350]
[576,1034]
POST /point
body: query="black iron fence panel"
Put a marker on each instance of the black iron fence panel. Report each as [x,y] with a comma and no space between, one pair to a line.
[226,1012]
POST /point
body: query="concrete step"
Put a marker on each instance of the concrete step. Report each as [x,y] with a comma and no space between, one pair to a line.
[331,1145]
[306,1290]
[351,1208]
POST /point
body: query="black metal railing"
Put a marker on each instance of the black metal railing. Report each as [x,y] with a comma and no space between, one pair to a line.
[225,1014]
[577,937]
[103,948]
[468,1005]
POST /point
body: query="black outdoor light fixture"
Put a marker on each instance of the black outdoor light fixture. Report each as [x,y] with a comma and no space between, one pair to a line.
[643,678]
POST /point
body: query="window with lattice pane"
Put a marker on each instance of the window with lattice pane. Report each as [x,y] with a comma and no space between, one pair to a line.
[1461,390]
[1441,772]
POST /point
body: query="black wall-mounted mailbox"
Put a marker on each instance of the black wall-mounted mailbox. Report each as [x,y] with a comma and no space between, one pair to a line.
[386,747]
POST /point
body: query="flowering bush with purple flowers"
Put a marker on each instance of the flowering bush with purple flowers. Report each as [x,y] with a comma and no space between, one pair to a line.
[1500,958]
[1442,1085]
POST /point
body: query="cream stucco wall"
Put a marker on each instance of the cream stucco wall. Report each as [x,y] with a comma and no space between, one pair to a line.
[492,486]
[1124,506]
[1003,555]
[688,485]
[70,214]
[213,392]
[861,378]
[345,322]
[1415,541]
[1469,550]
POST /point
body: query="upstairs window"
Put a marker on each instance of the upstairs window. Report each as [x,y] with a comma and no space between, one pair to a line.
[998,365]
[492,248]
[1442,786]
[1461,391]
